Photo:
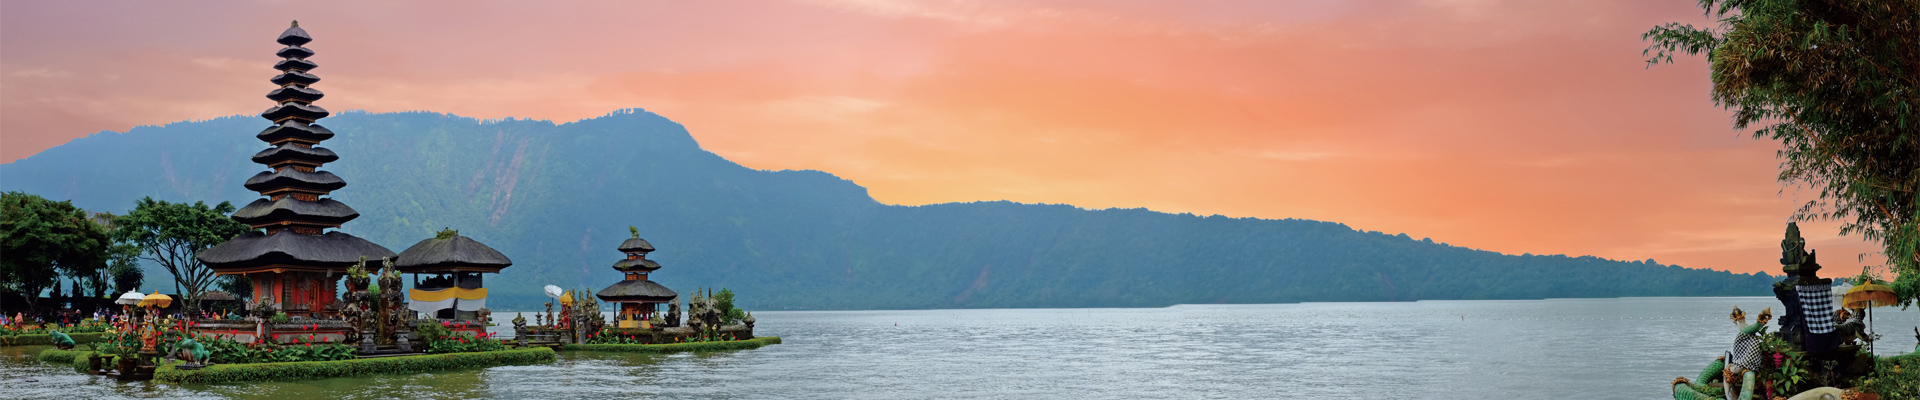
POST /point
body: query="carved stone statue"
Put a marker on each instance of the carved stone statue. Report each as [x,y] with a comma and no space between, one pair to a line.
[358,311]
[393,324]
[673,313]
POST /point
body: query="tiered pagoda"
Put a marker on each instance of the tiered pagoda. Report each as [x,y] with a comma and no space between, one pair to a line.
[454,264]
[639,298]
[291,257]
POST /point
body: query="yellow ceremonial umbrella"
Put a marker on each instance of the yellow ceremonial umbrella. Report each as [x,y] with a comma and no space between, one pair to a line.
[1869,295]
[157,300]
[566,299]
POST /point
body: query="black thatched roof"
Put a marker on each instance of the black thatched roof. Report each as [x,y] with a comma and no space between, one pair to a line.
[254,250]
[293,78]
[294,36]
[289,177]
[295,93]
[295,130]
[455,253]
[217,296]
[266,212]
[636,245]
[636,265]
[295,65]
[293,52]
[305,112]
[637,291]
[287,151]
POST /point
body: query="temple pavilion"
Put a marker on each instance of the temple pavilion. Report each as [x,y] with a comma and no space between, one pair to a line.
[291,257]
[639,298]
[453,265]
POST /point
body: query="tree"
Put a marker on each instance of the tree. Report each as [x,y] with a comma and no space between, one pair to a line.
[1837,82]
[122,263]
[172,233]
[43,239]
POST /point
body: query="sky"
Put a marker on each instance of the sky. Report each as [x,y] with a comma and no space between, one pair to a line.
[1518,126]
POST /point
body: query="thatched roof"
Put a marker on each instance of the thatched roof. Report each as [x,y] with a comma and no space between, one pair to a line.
[325,211]
[301,93]
[295,129]
[451,253]
[295,64]
[637,291]
[298,111]
[257,251]
[289,177]
[636,265]
[293,52]
[636,245]
[288,151]
[294,36]
[294,77]
[217,296]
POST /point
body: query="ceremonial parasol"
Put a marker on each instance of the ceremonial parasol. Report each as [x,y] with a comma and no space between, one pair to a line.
[1869,295]
[157,300]
[132,297]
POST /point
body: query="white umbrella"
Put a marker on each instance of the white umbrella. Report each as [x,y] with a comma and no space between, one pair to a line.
[132,297]
[555,291]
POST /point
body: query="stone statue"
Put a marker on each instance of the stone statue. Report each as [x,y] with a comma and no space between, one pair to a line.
[392,323]
[673,313]
[192,351]
[61,340]
[358,308]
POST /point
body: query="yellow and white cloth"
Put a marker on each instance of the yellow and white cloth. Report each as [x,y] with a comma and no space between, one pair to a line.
[431,301]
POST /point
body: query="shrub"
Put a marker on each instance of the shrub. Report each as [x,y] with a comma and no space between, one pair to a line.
[441,339]
[228,373]
[228,351]
[62,356]
[47,340]
[678,347]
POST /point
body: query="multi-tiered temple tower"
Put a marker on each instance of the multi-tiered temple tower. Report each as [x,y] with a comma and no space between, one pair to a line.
[291,258]
[638,297]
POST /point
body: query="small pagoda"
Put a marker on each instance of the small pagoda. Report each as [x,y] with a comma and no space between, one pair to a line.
[291,257]
[453,264]
[638,297]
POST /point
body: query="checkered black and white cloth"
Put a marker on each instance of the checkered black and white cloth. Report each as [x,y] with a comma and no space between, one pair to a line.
[1746,351]
[1816,307]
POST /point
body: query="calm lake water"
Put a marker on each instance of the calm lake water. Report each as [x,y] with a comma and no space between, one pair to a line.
[1586,348]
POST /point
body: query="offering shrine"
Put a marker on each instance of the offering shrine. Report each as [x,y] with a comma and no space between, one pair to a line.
[291,257]
[454,265]
[639,298]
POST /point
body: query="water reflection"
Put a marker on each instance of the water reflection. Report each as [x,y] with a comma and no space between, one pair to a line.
[1590,349]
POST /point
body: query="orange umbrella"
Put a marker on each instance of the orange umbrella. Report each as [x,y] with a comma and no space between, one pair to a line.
[1869,295]
[157,300]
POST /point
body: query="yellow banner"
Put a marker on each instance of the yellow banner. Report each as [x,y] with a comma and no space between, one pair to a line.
[444,294]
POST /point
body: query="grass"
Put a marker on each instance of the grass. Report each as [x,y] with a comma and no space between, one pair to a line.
[229,373]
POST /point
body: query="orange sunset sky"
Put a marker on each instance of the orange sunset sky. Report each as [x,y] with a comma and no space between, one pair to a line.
[1526,126]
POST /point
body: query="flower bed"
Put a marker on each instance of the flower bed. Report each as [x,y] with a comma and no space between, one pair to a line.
[47,340]
[227,373]
[678,347]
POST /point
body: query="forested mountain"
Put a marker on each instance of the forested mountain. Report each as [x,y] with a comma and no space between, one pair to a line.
[557,199]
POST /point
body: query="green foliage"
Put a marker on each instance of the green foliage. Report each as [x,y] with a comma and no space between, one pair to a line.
[1837,83]
[227,351]
[753,343]
[280,318]
[440,338]
[62,356]
[232,373]
[807,239]
[1895,378]
[43,239]
[170,234]
[724,301]
[46,340]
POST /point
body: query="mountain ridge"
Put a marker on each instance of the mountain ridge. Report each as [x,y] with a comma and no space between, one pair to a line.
[556,198]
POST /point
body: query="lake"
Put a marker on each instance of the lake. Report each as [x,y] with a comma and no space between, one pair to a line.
[1627,348]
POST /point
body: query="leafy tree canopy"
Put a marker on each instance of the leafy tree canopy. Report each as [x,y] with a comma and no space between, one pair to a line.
[43,239]
[172,233]
[1837,83]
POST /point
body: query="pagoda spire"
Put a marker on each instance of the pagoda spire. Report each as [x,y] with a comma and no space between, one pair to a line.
[290,255]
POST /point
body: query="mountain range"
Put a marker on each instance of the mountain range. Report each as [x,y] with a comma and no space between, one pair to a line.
[558,198]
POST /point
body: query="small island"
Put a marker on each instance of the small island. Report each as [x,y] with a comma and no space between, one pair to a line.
[296,324]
